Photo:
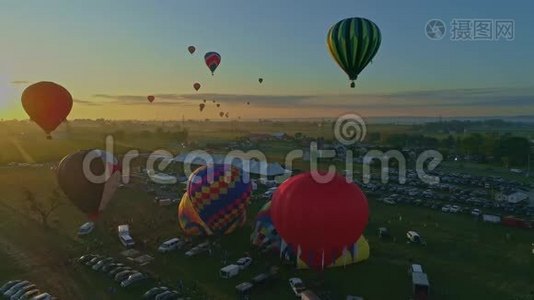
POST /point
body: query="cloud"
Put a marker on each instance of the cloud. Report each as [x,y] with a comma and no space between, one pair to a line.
[161,99]
[85,102]
[20,82]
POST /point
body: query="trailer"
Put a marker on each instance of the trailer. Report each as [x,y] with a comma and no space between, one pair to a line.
[420,285]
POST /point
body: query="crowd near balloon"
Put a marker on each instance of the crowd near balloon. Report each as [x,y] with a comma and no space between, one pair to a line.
[317,225]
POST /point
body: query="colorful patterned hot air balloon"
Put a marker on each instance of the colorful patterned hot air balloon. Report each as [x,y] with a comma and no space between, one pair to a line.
[89,189]
[319,221]
[150,98]
[191,49]
[212,59]
[215,202]
[265,237]
[196,86]
[353,43]
[201,106]
[48,104]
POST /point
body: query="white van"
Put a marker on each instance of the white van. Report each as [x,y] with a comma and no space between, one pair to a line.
[229,271]
[124,236]
[86,228]
[170,245]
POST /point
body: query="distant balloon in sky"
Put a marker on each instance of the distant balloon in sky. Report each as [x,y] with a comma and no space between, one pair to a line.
[48,104]
[212,60]
[260,80]
[248,102]
[221,114]
[227,115]
[213,101]
[202,105]
[353,43]
[218,105]
[191,49]
[204,100]
[196,86]
[151,98]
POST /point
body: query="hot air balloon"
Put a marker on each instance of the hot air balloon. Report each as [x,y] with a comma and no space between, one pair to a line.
[353,43]
[196,86]
[319,221]
[227,115]
[213,101]
[218,105]
[265,237]
[151,98]
[89,178]
[260,80]
[202,105]
[191,49]
[48,104]
[215,202]
[221,114]
[248,102]
[212,59]
[204,100]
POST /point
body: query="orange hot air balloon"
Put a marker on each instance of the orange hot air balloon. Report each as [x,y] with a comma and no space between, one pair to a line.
[48,104]
[191,49]
[196,86]
[151,98]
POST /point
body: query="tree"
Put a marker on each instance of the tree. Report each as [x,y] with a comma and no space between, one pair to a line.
[43,209]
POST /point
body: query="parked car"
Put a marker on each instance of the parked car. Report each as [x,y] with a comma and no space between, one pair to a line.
[124,236]
[15,288]
[297,285]
[86,228]
[229,271]
[43,296]
[85,258]
[414,237]
[244,288]
[8,285]
[167,295]
[153,292]
[383,233]
[102,263]
[244,262]
[455,209]
[476,212]
[22,291]
[171,245]
[132,279]
[29,294]
[111,266]
[446,208]
[117,270]
[121,276]
[93,260]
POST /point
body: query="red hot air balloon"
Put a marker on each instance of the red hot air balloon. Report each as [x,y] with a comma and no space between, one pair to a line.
[196,86]
[48,104]
[150,98]
[212,60]
[319,220]
[191,49]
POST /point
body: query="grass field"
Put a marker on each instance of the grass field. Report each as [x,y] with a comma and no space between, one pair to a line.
[464,258]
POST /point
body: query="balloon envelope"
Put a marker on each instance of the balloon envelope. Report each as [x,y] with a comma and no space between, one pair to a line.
[260,80]
[319,220]
[191,49]
[196,86]
[48,104]
[218,197]
[353,43]
[150,98]
[212,60]
[90,189]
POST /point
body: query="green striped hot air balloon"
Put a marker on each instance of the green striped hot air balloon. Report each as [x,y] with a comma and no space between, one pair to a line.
[353,43]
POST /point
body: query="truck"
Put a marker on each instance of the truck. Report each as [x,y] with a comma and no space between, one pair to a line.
[420,285]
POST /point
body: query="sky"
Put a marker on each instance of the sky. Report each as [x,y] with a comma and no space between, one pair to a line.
[111,54]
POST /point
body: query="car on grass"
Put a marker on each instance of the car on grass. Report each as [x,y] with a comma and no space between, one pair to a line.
[244,288]
[244,262]
[446,208]
[111,266]
[8,285]
[297,285]
[121,276]
[133,279]
[85,258]
[94,260]
[171,245]
[29,294]
[476,212]
[16,287]
[23,291]
[116,270]
[415,238]
[102,263]
[167,295]
[43,296]
[86,228]
[153,292]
